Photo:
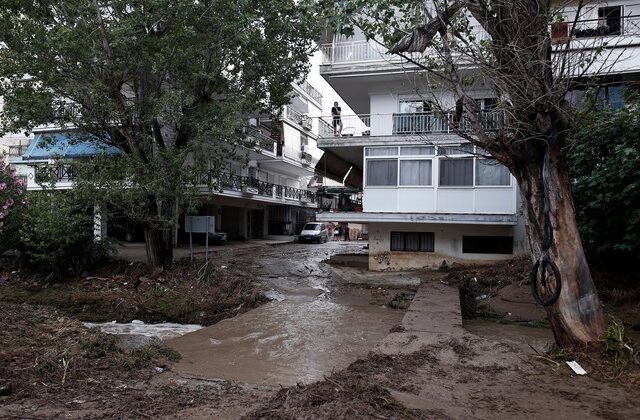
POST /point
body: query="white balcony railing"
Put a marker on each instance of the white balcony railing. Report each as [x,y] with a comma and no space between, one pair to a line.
[405,124]
[311,91]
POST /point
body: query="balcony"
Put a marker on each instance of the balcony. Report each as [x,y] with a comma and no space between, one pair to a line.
[262,138]
[622,26]
[311,91]
[253,186]
[376,125]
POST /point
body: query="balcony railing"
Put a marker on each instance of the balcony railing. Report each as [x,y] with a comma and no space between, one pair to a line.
[262,138]
[368,51]
[602,27]
[56,173]
[407,124]
[311,91]
[250,185]
[293,115]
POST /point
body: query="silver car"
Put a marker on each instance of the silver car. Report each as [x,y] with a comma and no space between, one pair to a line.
[314,232]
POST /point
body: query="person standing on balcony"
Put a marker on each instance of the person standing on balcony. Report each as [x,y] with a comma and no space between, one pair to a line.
[336,111]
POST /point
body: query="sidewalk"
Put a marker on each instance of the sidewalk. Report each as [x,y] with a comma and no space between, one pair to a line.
[137,251]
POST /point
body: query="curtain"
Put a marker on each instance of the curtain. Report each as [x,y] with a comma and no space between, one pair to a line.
[490,172]
[456,172]
[415,172]
[382,172]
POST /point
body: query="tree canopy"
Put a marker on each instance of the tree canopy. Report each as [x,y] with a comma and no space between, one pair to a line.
[166,82]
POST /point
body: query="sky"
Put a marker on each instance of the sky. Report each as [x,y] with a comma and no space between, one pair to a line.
[329,95]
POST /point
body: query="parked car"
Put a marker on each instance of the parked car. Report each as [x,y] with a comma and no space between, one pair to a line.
[314,232]
[218,237]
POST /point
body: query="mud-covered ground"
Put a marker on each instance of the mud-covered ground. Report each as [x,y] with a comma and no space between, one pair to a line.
[51,366]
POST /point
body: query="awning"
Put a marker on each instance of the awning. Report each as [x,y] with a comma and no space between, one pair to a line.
[67,145]
[333,166]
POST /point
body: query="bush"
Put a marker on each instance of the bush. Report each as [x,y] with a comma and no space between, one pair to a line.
[605,167]
[11,191]
[53,235]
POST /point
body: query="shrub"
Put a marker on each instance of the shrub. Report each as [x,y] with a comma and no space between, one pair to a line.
[11,191]
[53,235]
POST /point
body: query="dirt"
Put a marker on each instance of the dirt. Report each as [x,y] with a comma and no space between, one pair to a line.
[51,366]
[195,293]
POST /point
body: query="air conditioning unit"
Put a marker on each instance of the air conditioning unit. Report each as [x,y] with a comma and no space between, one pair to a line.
[250,190]
[306,123]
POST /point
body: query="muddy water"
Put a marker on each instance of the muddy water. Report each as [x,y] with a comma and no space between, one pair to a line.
[301,336]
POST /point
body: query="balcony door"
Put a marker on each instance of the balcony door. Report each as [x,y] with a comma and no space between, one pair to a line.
[414,117]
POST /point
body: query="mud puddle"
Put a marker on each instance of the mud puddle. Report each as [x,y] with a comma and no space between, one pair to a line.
[519,335]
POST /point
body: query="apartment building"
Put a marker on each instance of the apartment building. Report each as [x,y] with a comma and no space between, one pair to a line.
[428,195]
[264,197]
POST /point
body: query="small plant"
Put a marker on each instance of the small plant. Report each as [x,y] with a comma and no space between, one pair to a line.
[616,346]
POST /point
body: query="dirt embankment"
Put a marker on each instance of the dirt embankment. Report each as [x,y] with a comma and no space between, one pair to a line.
[51,365]
[188,293]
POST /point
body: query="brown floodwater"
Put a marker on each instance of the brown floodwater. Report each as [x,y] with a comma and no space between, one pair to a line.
[315,325]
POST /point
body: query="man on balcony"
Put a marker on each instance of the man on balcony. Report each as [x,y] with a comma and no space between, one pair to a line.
[337,121]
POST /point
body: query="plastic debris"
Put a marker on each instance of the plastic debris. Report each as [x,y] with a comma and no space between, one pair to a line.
[577,369]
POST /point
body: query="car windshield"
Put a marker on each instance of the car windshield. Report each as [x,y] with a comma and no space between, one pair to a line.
[312,226]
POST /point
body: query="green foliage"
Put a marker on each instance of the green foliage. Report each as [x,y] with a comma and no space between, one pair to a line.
[605,167]
[169,83]
[53,234]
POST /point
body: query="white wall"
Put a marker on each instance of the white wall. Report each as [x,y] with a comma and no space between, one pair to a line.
[447,246]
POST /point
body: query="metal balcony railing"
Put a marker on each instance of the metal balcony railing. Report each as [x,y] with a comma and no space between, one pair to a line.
[311,91]
[234,182]
[56,173]
[293,115]
[592,28]
[262,138]
[406,124]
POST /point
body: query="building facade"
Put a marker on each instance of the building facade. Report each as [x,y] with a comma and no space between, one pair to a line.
[428,195]
[264,196]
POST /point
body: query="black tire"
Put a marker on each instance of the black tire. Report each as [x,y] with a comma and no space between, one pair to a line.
[535,280]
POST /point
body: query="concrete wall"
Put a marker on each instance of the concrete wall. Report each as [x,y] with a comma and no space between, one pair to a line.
[448,245]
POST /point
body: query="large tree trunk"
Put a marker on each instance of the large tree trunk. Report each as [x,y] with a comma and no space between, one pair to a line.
[577,317]
[158,237]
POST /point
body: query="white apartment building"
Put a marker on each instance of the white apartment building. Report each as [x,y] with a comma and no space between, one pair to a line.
[427,196]
[266,197]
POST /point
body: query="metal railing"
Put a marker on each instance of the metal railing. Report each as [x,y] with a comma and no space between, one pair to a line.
[601,27]
[311,91]
[293,115]
[56,173]
[343,52]
[261,139]
[250,185]
[406,124]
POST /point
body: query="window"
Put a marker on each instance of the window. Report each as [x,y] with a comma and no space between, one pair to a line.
[456,172]
[487,104]
[490,172]
[412,241]
[463,149]
[381,151]
[415,107]
[415,172]
[417,151]
[382,172]
[609,20]
[487,244]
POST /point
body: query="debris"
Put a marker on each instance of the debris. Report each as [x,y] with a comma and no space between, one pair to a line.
[577,369]
[481,297]
[158,369]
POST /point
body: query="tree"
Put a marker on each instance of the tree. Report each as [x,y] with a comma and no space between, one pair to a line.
[604,165]
[169,83]
[531,77]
